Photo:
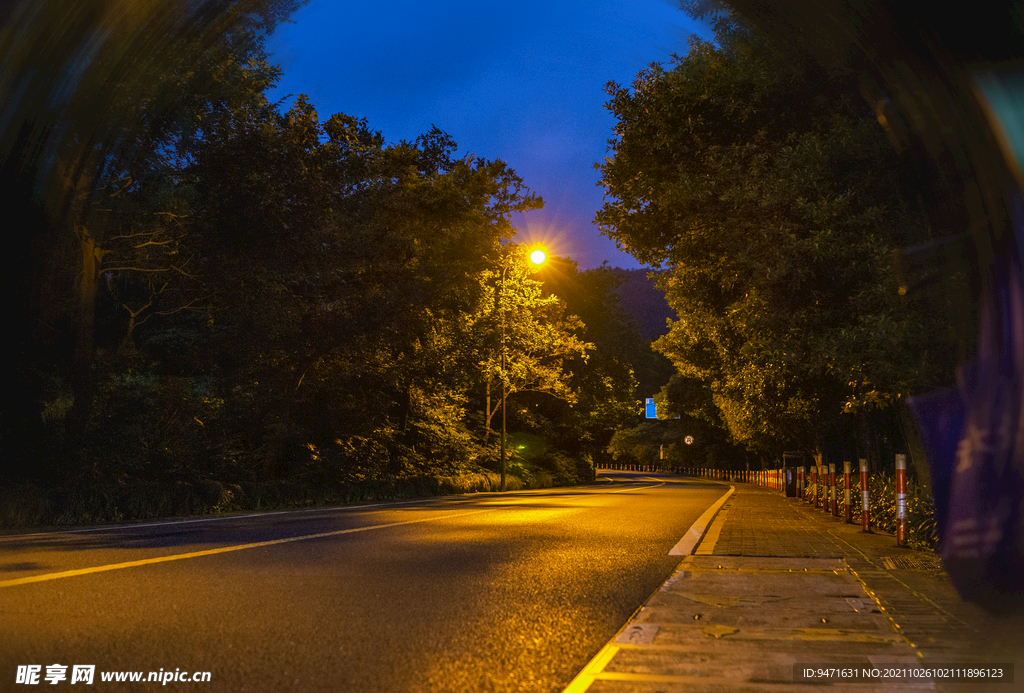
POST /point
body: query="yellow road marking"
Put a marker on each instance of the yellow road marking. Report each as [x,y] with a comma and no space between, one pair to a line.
[779,634]
[224,549]
[652,678]
[593,670]
[690,568]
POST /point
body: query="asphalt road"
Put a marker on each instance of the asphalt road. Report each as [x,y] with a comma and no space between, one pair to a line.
[486,592]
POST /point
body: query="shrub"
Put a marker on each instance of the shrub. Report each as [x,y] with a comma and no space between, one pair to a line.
[921,528]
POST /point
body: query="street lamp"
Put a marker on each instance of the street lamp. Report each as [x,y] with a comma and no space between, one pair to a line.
[537,258]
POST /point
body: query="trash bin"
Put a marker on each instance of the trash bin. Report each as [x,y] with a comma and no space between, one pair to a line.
[790,482]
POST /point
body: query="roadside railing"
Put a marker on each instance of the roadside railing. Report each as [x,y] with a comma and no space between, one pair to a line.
[887,503]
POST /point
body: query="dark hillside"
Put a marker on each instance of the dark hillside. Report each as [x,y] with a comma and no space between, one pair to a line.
[649,310]
[643,302]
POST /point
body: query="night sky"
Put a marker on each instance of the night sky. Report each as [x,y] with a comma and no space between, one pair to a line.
[522,82]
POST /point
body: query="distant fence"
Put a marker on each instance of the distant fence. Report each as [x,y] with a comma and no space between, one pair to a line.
[874,501]
[770,478]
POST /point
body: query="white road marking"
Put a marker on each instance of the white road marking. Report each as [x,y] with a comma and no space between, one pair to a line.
[685,546]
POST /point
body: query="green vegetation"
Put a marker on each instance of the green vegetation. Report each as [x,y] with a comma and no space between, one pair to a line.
[765,186]
[920,523]
[219,304]
[227,306]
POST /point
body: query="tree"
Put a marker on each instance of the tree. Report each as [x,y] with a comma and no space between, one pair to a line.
[606,382]
[349,275]
[94,93]
[533,337]
[770,193]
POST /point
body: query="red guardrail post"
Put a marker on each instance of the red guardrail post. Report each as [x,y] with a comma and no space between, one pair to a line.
[823,480]
[828,473]
[847,510]
[901,500]
[814,485]
[833,496]
[865,495]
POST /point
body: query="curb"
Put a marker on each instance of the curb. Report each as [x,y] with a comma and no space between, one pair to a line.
[684,547]
[693,536]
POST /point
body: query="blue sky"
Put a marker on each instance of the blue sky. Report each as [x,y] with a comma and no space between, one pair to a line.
[522,82]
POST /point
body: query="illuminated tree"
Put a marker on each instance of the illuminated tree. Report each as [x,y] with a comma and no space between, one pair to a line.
[766,187]
[533,337]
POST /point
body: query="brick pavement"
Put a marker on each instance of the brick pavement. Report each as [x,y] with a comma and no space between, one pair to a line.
[759,525]
[775,582]
[911,587]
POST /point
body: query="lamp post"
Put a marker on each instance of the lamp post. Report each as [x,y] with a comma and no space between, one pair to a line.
[537,257]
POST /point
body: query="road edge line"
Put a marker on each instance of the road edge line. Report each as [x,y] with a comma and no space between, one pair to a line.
[690,540]
[594,668]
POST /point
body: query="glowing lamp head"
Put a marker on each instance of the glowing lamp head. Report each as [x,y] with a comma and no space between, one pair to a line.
[538,257]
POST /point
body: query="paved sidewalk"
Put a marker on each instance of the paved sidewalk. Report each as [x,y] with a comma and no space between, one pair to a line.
[775,583]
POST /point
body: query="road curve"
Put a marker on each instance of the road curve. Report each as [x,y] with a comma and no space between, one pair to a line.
[484,592]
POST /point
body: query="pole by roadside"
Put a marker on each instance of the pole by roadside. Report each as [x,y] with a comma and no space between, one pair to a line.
[865,497]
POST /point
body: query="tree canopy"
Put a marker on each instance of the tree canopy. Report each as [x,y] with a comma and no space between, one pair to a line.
[239,295]
[766,187]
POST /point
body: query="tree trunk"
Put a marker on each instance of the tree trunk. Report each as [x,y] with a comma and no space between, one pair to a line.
[911,436]
[487,413]
[83,369]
